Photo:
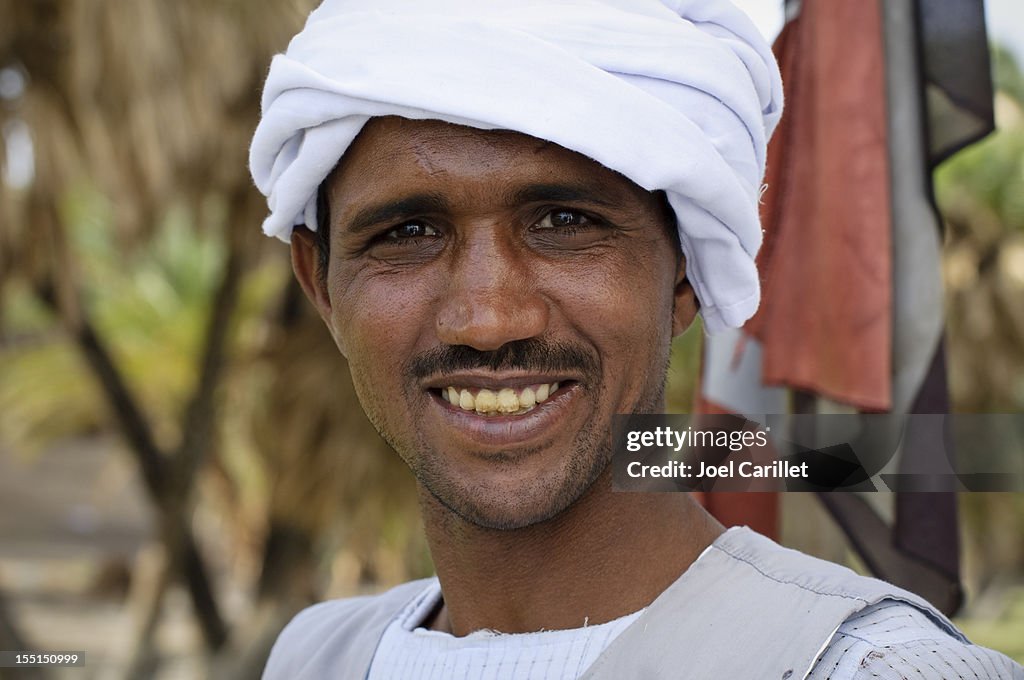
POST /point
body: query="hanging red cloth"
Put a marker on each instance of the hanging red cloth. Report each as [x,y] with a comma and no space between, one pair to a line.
[826,320]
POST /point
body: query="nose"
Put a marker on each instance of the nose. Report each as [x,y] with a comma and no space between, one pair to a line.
[492,297]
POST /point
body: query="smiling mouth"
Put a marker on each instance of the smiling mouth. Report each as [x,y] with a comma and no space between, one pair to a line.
[506,401]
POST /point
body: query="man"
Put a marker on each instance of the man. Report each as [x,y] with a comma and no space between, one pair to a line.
[504,210]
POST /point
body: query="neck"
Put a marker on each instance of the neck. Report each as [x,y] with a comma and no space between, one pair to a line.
[608,555]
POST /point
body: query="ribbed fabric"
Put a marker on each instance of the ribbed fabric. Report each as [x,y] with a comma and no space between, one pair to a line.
[408,652]
[893,641]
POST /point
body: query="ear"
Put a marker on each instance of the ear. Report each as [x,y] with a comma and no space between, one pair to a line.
[686,303]
[306,265]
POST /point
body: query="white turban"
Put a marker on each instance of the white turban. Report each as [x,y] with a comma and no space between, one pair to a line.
[677,95]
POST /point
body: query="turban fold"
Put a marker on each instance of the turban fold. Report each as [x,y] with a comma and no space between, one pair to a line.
[676,95]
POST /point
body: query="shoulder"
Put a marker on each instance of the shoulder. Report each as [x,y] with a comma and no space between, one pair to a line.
[785,566]
[322,638]
[856,627]
[893,639]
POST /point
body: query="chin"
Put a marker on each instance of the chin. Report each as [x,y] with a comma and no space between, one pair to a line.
[507,505]
[509,516]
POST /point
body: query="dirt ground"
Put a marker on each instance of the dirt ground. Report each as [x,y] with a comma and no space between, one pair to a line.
[73,525]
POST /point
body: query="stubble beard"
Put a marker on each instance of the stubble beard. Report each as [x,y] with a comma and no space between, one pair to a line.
[537,502]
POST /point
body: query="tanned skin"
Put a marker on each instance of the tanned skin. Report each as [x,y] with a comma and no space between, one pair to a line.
[490,259]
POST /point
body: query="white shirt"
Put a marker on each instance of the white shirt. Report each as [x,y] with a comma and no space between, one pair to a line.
[407,650]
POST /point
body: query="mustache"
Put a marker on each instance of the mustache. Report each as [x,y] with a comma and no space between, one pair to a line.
[530,355]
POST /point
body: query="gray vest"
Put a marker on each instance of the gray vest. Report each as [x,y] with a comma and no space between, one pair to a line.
[748,608]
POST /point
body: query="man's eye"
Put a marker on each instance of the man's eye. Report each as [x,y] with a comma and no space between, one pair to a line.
[410,230]
[560,219]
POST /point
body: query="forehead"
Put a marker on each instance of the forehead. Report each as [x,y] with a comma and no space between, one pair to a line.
[397,155]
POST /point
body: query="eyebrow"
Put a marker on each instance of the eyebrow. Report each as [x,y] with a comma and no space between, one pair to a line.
[399,209]
[559,193]
[394,211]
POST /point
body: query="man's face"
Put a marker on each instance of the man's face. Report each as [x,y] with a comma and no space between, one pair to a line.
[499,299]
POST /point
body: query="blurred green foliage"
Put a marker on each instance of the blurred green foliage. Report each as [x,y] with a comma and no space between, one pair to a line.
[150,303]
[985,182]
[684,371]
[1005,632]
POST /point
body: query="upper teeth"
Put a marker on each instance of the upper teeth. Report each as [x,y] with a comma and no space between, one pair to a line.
[505,400]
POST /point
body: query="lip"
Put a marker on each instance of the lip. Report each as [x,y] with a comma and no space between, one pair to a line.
[476,430]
